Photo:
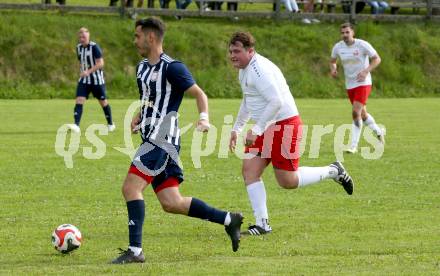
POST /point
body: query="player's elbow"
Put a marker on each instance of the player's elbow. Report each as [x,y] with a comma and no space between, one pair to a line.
[377,60]
[196,92]
[100,63]
[201,95]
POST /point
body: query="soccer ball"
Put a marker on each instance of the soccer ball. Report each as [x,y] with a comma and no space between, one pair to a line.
[66,238]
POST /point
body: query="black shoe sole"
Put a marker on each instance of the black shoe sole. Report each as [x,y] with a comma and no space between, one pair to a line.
[231,234]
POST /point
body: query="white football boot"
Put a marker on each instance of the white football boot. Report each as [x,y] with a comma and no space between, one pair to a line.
[74,128]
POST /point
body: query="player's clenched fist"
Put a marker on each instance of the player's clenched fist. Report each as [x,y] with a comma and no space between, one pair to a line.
[203,125]
[135,123]
[233,141]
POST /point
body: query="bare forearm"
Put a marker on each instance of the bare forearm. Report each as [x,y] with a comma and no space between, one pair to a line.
[374,63]
[201,98]
[333,68]
[202,102]
[97,66]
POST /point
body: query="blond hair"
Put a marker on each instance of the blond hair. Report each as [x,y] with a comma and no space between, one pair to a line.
[83,30]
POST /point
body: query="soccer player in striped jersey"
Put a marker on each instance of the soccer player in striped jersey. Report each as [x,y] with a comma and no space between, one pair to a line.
[355,55]
[91,79]
[162,82]
[277,132]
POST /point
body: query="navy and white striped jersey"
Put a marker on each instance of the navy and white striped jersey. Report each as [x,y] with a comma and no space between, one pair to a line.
[161,89]
[87,56]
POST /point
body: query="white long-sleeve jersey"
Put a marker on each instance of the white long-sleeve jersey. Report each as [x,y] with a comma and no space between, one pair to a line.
[266,95]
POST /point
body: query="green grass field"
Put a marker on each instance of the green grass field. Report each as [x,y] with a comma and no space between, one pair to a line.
[390,226]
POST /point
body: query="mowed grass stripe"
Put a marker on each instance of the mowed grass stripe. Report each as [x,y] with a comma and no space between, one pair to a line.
[389,226]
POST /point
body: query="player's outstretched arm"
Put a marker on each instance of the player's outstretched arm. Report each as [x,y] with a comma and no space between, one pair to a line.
[202,106]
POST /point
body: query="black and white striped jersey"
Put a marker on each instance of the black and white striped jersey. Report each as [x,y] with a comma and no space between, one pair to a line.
[87,56]
[161,89]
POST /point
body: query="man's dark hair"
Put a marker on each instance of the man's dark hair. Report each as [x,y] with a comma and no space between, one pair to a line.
[152,24]
[245,38]
[347,25]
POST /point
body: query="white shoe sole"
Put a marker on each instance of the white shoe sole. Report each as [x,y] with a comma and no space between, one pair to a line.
[352,151]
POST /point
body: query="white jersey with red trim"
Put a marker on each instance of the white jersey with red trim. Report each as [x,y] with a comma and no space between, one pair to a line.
[266,95]
[354,58]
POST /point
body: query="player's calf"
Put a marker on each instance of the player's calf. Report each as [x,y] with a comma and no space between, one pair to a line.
[287,179]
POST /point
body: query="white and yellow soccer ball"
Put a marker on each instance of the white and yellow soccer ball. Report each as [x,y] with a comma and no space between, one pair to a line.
[66,238]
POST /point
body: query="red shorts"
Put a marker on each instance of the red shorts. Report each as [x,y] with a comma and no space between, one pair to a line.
[280,144]
[169,182]
[359,94]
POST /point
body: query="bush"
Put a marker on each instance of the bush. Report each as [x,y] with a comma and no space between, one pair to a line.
[38,55]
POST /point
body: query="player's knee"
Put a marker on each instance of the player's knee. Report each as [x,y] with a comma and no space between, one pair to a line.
[167,207]
[126,189]
[249,175]
[80,100]
[103,103]
[288,184]
[170,206]
[130,191]
[288,181]
[356,114]
[364,115]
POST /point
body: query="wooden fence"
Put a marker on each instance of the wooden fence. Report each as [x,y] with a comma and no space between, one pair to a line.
[276,14]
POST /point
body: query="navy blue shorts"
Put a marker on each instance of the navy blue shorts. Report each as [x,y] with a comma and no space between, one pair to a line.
[160,166]
[98,91]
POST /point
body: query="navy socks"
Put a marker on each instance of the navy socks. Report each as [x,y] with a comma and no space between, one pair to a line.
[136,215]
[201,210]
[77,113]
[108,114]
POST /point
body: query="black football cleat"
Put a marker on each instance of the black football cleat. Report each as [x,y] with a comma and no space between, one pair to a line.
[233,230]
[343,177]
[127,256]
[256,230]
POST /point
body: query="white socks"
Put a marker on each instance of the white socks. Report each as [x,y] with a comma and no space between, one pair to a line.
[135,250]
[356,128]
[312,175]
[257,197]
[227,219]
[371,123]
